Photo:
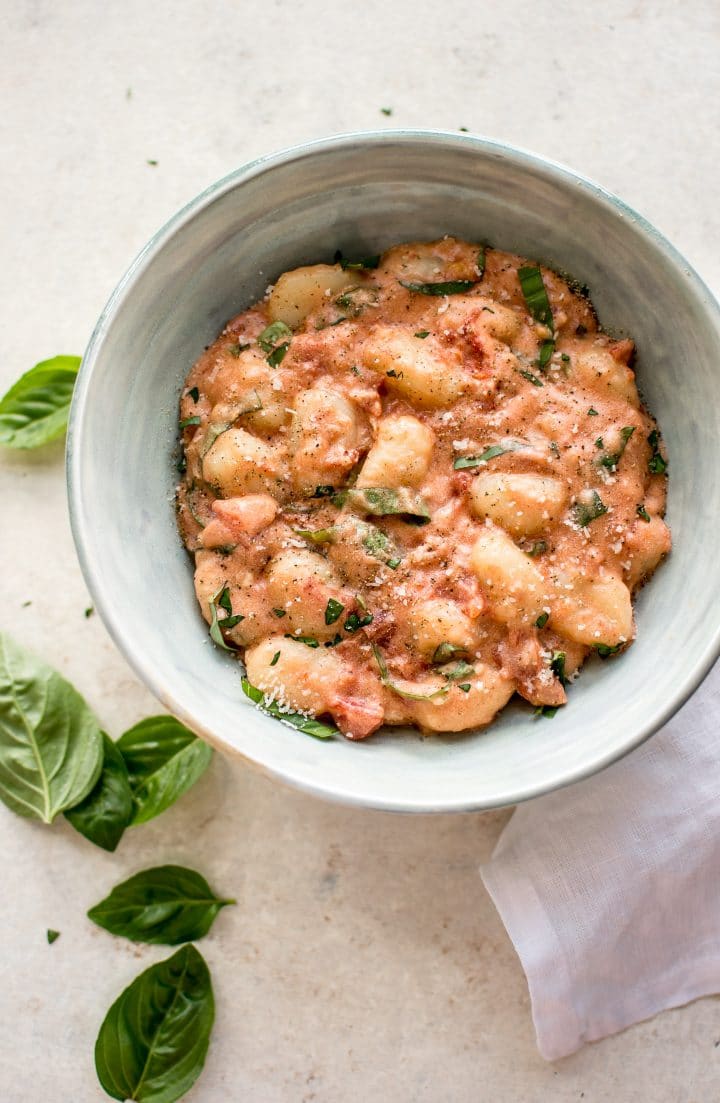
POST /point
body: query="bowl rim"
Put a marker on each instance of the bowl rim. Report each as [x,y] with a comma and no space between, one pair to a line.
[78,520]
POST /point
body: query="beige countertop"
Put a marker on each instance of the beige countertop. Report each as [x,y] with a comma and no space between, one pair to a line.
[364,959]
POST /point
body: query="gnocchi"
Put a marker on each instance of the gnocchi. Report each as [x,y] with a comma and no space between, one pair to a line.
[416,485]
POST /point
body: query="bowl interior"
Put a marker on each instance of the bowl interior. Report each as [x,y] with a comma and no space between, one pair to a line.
[362,194]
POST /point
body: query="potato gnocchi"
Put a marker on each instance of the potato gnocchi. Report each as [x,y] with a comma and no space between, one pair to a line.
[415,485]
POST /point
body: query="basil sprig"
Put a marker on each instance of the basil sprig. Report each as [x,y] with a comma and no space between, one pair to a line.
[51,746]
[35,409]
[166,905]
[154,1039]
[164,759]
[308,725]
[490,453]
[108,808]
[446,287]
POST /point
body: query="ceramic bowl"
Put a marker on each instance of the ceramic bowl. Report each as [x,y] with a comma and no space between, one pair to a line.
[363,193]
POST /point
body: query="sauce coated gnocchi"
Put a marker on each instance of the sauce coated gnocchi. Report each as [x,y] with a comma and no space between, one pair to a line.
[417,485]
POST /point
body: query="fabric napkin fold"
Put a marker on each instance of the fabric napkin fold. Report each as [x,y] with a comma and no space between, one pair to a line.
[610,889]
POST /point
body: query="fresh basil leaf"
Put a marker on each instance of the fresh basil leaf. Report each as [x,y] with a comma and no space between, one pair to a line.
[188,421]
[164,759]
[444,652]
[356,265]
[604,650]
[535,295]
[280,612]
[222,598]
[585,512]
[382,502]
[154,1039]
[308,725]
[542,620]
[547,348]
[107,809]
[52,936]
[592,412]
[387,681]
[355,621]
[333,610]
[557,665]
[237,348]
[422,334]
[51,747]
[318,536]
[548,711]
[612,459]
[448,287]
[489,454]
[531,378]
[461,669]
[465,687]
[657,464]
[272,335]
[643,513]
[277,355]
[166,905]
[275,658]
[309,641]
[35,409]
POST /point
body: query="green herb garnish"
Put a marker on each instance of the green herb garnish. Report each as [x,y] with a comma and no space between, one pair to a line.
[385,501]
[308,725]
[318,536]
[547,711]
[422,334]
[355,622]
[480,261]
[604,650]
[323,492]
[448,287]
[221,600]
[280,612]
[277,355]
[337,638]
[531,378]
[333,610]
[538,548]
[386,110]
[592,412]
[275,658]
[657,464]
[643,513]
[163,759]
[387,681]
[309,641]
[194,394]
[444,652]
[394,374]
[465,687]
[108,808]
[557,665]
[535,295]
[236,348]
[188,421]
[52,936]
[489,454]
[358,265]
[585,512]
[461,669]
[542,620]
[612,459]
[272,335]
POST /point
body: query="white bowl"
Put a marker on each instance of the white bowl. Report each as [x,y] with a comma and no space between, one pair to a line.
[362,193]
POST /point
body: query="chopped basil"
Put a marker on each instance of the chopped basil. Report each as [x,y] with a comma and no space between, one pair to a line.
[52,936]
[480,261]
[461,669]
[387,681]
[393,564]
[531,378]
[643,513]
[465,687]
[188,421]
[309,641]
[194,393]
[277,355]
[378,544]
[557,665]
[592,412]
[585,512]
[89,611]
[280,612]
[422,334]
[337,638]
[383,501]
[448,287]
[221,600]
[237,348]
[323,492]
[542,620]
[357,265]
[333,610]
[489,454]
[394,374]
[444,652]
[565,358]
[612,459]
[538,548]
[535,295]
[354,622]
[386,110]
[604,650]
[547,348]
[308,725]
[547,711]
[318,536]
[657,464]
[216,429]
[275,658]
[272,335]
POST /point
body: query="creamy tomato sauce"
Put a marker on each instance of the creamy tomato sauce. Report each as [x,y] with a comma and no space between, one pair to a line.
[419,485]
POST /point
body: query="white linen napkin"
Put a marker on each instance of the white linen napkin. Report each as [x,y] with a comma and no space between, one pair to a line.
[610,889]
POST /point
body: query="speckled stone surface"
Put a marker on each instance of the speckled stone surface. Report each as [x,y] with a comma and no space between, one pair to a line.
[364,958]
